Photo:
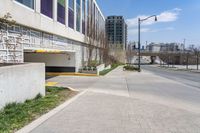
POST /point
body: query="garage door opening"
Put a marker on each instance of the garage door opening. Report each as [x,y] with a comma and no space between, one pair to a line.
[54,62]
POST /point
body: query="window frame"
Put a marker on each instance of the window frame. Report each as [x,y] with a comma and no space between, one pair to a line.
[25,6]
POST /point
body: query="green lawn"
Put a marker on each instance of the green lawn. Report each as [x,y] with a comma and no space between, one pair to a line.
[16,115]
[113,66]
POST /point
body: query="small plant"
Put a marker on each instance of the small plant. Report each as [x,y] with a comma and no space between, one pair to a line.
[131,68]
[94,63]
[38,97]
[113,66]
[89,68]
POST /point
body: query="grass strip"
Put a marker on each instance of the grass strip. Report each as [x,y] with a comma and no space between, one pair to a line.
[113,66]
[16,115]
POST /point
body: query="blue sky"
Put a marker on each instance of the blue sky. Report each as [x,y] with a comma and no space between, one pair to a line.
[177,19]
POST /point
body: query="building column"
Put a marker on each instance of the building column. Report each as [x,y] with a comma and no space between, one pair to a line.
[86,17]
[55,10]
[81,16]
[75,15]
[66,13]
[37,6]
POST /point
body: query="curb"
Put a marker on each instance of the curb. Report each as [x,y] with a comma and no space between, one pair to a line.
[71,74]
[177,69]
[48,115]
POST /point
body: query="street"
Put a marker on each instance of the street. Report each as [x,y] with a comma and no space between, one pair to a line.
[185,77]
[128,102]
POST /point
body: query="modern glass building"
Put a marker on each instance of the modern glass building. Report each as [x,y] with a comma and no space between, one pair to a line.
[59,28]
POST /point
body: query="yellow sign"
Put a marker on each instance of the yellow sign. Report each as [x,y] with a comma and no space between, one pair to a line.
[47,51]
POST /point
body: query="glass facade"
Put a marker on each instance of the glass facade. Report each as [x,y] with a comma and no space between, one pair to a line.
[87,19]
[83,16]
[71,14]
[28,3]
[47,8]
[78,15]
[61,11]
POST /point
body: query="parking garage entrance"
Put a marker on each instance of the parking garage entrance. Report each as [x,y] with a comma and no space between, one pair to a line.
[55,61]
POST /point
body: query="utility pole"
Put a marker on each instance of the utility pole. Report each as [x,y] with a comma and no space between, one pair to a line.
[139,67]
[139,45]
[197,60]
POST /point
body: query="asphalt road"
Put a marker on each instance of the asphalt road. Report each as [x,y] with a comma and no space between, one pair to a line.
[187,78]
[177,89]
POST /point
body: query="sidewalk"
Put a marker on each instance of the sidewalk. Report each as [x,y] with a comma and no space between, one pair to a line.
[107,107]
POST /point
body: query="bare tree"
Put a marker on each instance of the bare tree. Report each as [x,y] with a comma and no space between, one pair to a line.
[6,20]
[95,37]
[196,52]
[90,37]
[129,54]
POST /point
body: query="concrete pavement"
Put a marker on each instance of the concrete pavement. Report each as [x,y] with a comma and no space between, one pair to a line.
[128,102]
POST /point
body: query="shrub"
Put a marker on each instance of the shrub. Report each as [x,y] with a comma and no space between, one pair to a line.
[94,63]
[131,68]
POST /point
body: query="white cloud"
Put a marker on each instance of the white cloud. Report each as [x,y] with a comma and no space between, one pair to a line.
[163,17]
[134,31]
[166,16]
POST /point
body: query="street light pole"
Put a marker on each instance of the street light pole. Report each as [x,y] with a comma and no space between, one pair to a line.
[139,61]
[139,44]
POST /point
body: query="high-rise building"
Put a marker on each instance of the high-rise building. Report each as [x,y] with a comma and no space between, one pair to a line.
[116,30]
[55,32]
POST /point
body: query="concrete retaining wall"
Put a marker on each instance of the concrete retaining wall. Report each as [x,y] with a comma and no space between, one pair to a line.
[100,68]
[21,82]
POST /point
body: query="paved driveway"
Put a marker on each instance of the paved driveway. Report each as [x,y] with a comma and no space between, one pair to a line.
[127,102]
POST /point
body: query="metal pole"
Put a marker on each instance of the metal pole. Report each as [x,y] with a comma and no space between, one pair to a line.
[168,59]
[139,69]
[197,60]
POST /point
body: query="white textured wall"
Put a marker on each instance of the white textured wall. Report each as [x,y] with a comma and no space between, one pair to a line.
[21,82]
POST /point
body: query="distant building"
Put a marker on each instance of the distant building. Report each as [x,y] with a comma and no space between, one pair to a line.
[153,47]
[116,29]
[164,47]
[131,46]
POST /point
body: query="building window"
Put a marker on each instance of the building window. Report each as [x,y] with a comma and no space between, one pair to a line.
[83,16]
[47,8]
[28,3]
[71,13]
[78,15]
[61,11]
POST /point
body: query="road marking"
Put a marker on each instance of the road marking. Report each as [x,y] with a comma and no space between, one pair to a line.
[70,74]
[51,83]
